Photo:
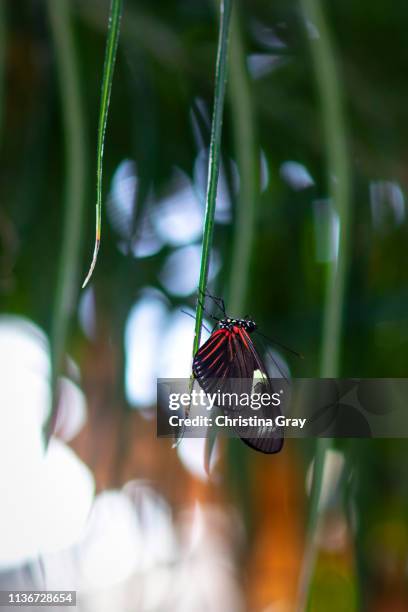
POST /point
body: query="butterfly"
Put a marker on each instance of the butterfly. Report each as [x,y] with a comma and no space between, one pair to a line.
[229,363]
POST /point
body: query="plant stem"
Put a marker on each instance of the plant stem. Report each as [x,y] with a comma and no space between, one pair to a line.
[108,70]
[248,164]
[334,128]
[214,160]
[2,60]
[74,130]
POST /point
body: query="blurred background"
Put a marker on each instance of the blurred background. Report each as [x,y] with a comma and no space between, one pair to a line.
[110,510]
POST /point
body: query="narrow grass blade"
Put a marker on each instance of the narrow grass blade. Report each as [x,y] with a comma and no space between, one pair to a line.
[214,160]
[76,171]
[213,173]
[334,127]
[108,70]
[3,40]
[245,147]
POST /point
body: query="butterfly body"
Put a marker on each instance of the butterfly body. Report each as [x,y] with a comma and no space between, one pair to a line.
[230,324]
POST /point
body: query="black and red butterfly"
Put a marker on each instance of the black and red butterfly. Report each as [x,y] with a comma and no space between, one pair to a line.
[229,362]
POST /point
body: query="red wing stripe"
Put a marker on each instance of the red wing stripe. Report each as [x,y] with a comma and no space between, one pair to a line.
[218,370]
[212,339]
[243,334]
[257,359]
[231,352]
[222,339]
[211,365]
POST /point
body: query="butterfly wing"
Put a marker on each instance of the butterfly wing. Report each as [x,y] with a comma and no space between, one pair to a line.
[228,362]
[265,439]
[212,360]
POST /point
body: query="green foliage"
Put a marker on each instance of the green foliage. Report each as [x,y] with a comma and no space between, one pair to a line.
[214,162]
[109,66]
[66,293]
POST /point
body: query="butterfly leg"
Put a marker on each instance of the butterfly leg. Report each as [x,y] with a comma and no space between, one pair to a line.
[221,304]
[206,311]
[217,301]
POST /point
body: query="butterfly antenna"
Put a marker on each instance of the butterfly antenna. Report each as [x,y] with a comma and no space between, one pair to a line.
[275,363]
[193,317]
